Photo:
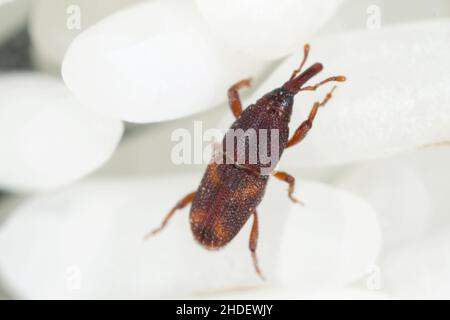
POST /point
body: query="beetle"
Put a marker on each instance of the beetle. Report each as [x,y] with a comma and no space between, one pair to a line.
[230,192]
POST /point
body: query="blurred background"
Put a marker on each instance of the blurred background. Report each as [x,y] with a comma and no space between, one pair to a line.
[93,95]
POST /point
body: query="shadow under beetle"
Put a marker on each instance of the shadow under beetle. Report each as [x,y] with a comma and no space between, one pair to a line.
[230,192]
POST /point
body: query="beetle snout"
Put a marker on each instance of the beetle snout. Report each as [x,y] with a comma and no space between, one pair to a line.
[294,85]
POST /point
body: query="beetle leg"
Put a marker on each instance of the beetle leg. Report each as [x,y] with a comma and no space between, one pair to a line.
[253,243]
[305,57]
[286,177]
[180,205]
[233,97]
[306,125]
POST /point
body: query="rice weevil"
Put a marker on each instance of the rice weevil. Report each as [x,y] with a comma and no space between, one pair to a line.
[230,191]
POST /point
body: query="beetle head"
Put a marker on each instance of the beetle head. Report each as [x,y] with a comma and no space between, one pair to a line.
[283,97]
[278,98]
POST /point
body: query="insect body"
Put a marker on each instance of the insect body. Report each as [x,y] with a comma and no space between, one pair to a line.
[231,190]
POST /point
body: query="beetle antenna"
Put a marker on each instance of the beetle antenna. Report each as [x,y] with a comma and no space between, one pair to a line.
[305,57]
[330,79]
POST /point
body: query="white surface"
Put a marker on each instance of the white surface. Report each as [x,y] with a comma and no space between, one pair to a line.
[420,271]
[396,190]
[333,240]
[409,192]
[266,29]
[54,24]
[276,293]
[47,139]
[97,228]
[394,100]
[94,230]
[148,150]
[431,164]
[372,14]
[152,62]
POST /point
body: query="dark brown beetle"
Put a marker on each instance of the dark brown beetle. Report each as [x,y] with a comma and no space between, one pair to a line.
[230,192]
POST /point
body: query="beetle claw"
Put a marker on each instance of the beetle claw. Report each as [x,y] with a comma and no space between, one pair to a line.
[152,233]
[255,264]
[295,200]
